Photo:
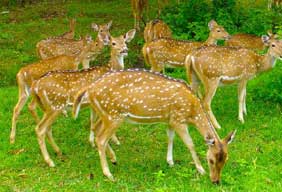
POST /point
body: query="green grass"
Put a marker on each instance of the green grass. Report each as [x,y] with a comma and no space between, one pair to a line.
[254,156]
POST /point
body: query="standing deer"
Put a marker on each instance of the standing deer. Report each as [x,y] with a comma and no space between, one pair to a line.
[248,41]
[171,52]
[156,29]
[55,92]
[150,98]
[138,7]
[60,46]
[214,65]
[34,71]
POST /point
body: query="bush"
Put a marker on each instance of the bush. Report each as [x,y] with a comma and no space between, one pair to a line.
[269,87]
[189,20]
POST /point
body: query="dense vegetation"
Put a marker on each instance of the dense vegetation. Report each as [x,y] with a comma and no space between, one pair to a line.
[255,156]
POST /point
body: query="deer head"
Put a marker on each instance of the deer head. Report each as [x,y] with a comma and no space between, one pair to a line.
[217,155]
[103,31]
[119,49]
[275,45]
[217,32]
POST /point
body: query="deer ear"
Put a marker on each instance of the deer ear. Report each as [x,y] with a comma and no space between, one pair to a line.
[269,33]
[265,39]
[212,24]
[109,24]
[209,140]
[129,35]
[229,138]
[95,27]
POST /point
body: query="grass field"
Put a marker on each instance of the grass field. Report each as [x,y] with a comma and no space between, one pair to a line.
[254,156]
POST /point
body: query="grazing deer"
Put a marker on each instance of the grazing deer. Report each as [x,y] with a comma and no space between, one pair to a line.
[214,65]
[248,41]
[150,98]
[138,7]
[156,29]
[55,92]
[34,71]
[60,46]
[69,34]
[171,52]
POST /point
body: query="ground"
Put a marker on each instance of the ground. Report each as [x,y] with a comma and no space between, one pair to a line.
[254,162]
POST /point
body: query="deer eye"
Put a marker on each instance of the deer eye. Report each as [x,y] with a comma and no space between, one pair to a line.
[101,31]
[211,161]
[113,43]
[273,45]
[218,30]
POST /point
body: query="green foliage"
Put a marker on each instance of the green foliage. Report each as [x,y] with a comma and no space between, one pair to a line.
[269,88]
[189,20]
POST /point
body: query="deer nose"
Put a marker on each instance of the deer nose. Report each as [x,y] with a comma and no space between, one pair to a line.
[125,50]
[228,37]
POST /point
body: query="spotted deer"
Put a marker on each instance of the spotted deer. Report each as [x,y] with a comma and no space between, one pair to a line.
[61,46]
[138,7]
[156,29]
[55,92]
[171,52]
[34,71]
[248,41]
[214,65]
[144,97]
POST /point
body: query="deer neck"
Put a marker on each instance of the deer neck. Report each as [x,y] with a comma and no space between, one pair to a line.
[99,42]
[204,125]
[267,62]
[210,41]
[116,62]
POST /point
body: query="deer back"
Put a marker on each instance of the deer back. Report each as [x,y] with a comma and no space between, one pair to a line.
[228,63]
[147,97]
[246,40]
[56,89]
[34,71]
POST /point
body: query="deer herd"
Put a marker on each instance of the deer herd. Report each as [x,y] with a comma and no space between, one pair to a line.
[115,94]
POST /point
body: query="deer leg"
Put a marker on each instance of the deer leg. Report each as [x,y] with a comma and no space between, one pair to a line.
[196,85]
[244,104]
[52,141]
[23,96]
[92,127]
[210,89]
[32,110]
[111,154]
[41,130]
[169,157]
[182,131]
[102,137]
[241,95]
[85,63]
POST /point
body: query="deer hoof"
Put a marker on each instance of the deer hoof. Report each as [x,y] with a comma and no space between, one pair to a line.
[200,169]
[50,163]
[110,177]
[241,119]
[12,140]
[170,163]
